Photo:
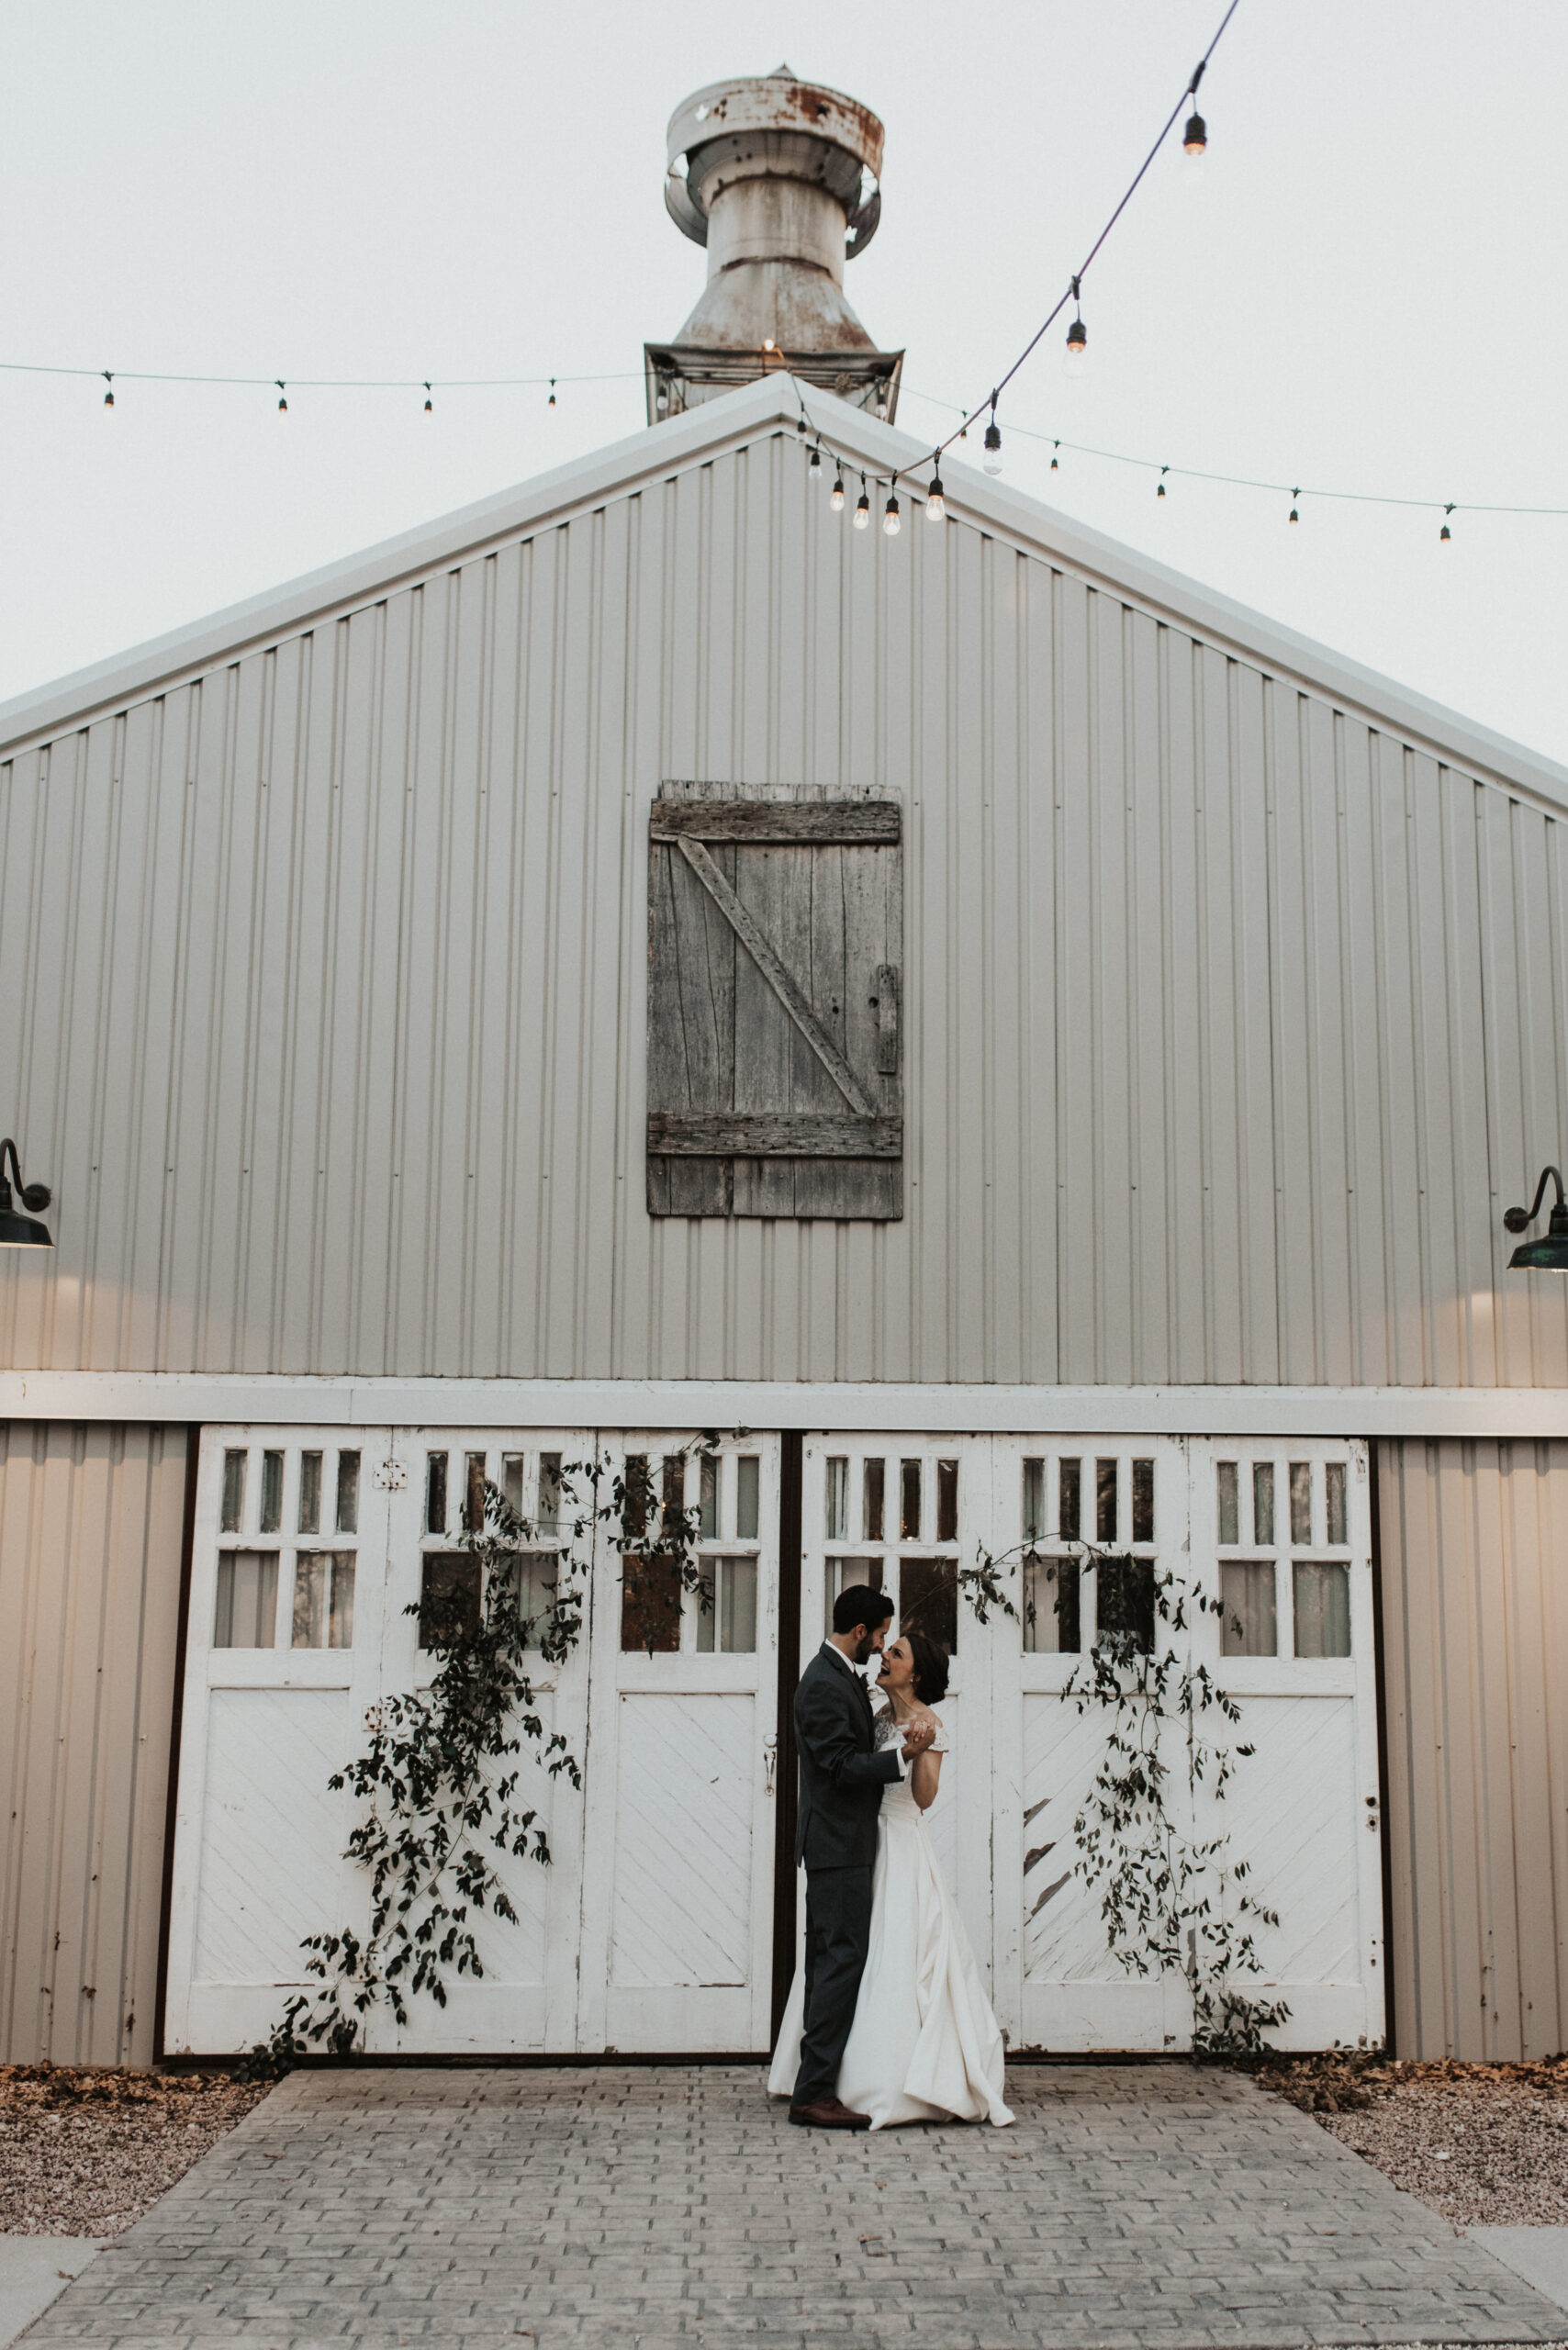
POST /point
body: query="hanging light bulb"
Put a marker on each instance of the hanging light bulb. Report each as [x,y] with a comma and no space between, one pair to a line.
[836,498]
[815,464]
[1194,147]
[934,507]
[1077,349]
[1294,516]
[1159,491]
[993,458]
[661,397]
[863,509]
[892,520]
[109,395]
[1055,466]
[427,399]
[551,401]
[1445,533]
[283,395]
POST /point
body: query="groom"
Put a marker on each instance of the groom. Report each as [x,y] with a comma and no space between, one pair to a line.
[842,1778]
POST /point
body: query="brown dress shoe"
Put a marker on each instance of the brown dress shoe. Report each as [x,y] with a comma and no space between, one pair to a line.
[828,2113]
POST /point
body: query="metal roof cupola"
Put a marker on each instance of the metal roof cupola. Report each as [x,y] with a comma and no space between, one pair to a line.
[781,181]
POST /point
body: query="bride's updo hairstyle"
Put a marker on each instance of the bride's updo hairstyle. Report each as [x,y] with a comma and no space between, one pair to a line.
[930,1668]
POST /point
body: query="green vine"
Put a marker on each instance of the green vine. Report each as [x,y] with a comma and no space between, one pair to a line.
[1170,1903]
[441,1778]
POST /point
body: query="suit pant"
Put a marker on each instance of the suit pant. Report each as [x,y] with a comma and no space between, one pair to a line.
[838,1936]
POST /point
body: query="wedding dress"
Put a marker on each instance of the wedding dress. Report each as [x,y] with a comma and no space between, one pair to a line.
[925,2045]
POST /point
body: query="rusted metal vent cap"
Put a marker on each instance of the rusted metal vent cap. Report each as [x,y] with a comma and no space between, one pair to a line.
[774,124]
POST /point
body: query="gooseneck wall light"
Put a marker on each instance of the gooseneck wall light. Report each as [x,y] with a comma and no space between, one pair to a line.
[1551,1252]
[24,1231]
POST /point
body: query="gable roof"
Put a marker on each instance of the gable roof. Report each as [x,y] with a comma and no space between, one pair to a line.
[747,414]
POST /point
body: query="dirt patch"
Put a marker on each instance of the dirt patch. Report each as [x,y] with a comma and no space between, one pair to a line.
[1485,2144]
[85,2150]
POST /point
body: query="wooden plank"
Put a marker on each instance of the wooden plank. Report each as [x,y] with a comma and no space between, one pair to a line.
[783,1135]
[781,980]
[848,822]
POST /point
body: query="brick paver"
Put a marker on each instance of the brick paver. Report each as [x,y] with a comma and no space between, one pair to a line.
[645,2207]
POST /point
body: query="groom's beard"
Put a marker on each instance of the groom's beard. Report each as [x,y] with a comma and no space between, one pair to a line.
[866,1650]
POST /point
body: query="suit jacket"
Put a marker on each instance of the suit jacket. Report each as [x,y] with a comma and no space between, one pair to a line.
[842,1775]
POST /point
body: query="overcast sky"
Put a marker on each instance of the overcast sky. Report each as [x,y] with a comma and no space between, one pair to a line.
[1366,296]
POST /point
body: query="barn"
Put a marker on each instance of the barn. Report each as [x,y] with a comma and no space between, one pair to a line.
[958,1057]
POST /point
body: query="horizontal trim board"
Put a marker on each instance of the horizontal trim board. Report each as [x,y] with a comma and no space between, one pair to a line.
[817,822]
[1521,1413]
[768,1134]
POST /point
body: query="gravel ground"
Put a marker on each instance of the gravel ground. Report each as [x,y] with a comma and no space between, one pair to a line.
[84,2151]
[1485,2144]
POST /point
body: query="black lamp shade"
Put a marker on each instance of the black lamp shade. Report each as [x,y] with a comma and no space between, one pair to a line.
[19,1230]
[25,1232]
[1550,1253]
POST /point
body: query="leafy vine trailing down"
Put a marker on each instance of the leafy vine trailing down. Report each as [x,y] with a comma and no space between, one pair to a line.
[439,1776]
[1171,1903]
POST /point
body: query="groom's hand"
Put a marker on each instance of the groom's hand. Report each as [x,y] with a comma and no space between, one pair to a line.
[917,1739]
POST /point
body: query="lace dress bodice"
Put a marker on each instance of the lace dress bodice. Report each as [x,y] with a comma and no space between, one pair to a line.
[889,1733]
[899,1807]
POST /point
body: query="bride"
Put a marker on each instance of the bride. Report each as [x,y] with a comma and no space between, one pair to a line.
[925,2045]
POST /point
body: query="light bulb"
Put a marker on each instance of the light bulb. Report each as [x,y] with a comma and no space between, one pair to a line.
[109,395]
[934,509]
[836,500]
[1445,535]
[1161,490]
[863,512]
[282,396]
[892,520]
[1294,515]
[816,466]
[993,458]
[1055,467]
[1194,147]
[1077,349]
[551,401]
[428,409]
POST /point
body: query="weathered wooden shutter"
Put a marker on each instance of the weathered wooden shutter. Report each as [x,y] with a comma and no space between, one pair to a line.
[775,955]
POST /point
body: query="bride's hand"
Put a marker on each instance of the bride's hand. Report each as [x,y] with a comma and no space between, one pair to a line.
[917,1737]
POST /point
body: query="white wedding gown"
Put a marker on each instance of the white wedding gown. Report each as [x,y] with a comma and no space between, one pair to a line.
[925,2045]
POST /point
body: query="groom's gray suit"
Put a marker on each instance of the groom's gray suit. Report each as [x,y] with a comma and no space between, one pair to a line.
[842,1778]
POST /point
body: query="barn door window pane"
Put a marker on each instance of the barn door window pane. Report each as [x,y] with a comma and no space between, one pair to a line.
[728,1621]
[843,1574]
[875,1481]
[1050,1608]
[1125,1603]
[673,1494]
[511,1482]
[233,1492]
[272,1493]
[837,1502]
[1263,1503]
[348,1493]
[1143,1501]
[1247,1627]
[748,1486]
[530,1581]
[909,1501]
[1322,1608]
[928,1599]
[1228,1499]
[1069,1500]
[450,1598]
[549,1492]
[309,1492]
[473,1493]
[323,1599]
[247,1599]
[435,1493]
[1106,1500]
[709,1523]
[1033,1500]
[650,1603]
[1300,1501]
[638,1495]
[947,1500]
[1334,1499]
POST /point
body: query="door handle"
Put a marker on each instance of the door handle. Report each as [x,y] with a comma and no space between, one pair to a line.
[769,1761]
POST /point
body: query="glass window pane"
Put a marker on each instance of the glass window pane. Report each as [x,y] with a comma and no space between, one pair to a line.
[875,1481]
[650,1603]
[450,1594]
[1069,1498]
[473,1493]
[233,1492]
[836,1510]
[708,1524]
[272,1491]
[435,1493]
[1143,1501]
[1334,1497]
[843,1574]
[928,1600]
[947,1500]
[1248,1627]
[737,1605]
[348,1493]
[1124,1602]
[549,1492]
[1300,1501]
[909,1501]
[340,1626]
[531,1577]
[638,1495]
[1051,1622]
[1106,1500]
[1228,1498]
[247,1599]
[309,1492]
[673,1494]
[748,1486]
[1322,1608]
[1263,1503]
[1033,1500]
[511,1480]
[310,1571]
[705,1599]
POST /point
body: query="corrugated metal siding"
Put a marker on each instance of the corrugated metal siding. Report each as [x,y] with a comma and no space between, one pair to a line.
[90,1530]
[1474,1562]
[1232,1022]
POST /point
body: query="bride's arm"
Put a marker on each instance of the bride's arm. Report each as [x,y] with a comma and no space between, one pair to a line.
[925,1771]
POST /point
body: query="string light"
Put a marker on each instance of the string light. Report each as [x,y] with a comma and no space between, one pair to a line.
[1445,533]
[1076,355]
[1294,516]
[993,458]
[427,399]
[1194,137]
[109,395]
[863,509]
[816,464]
[282,396]
[1159,490]
[892,520]
[934,507]
[1055,466]
[836,500]
[551,401]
